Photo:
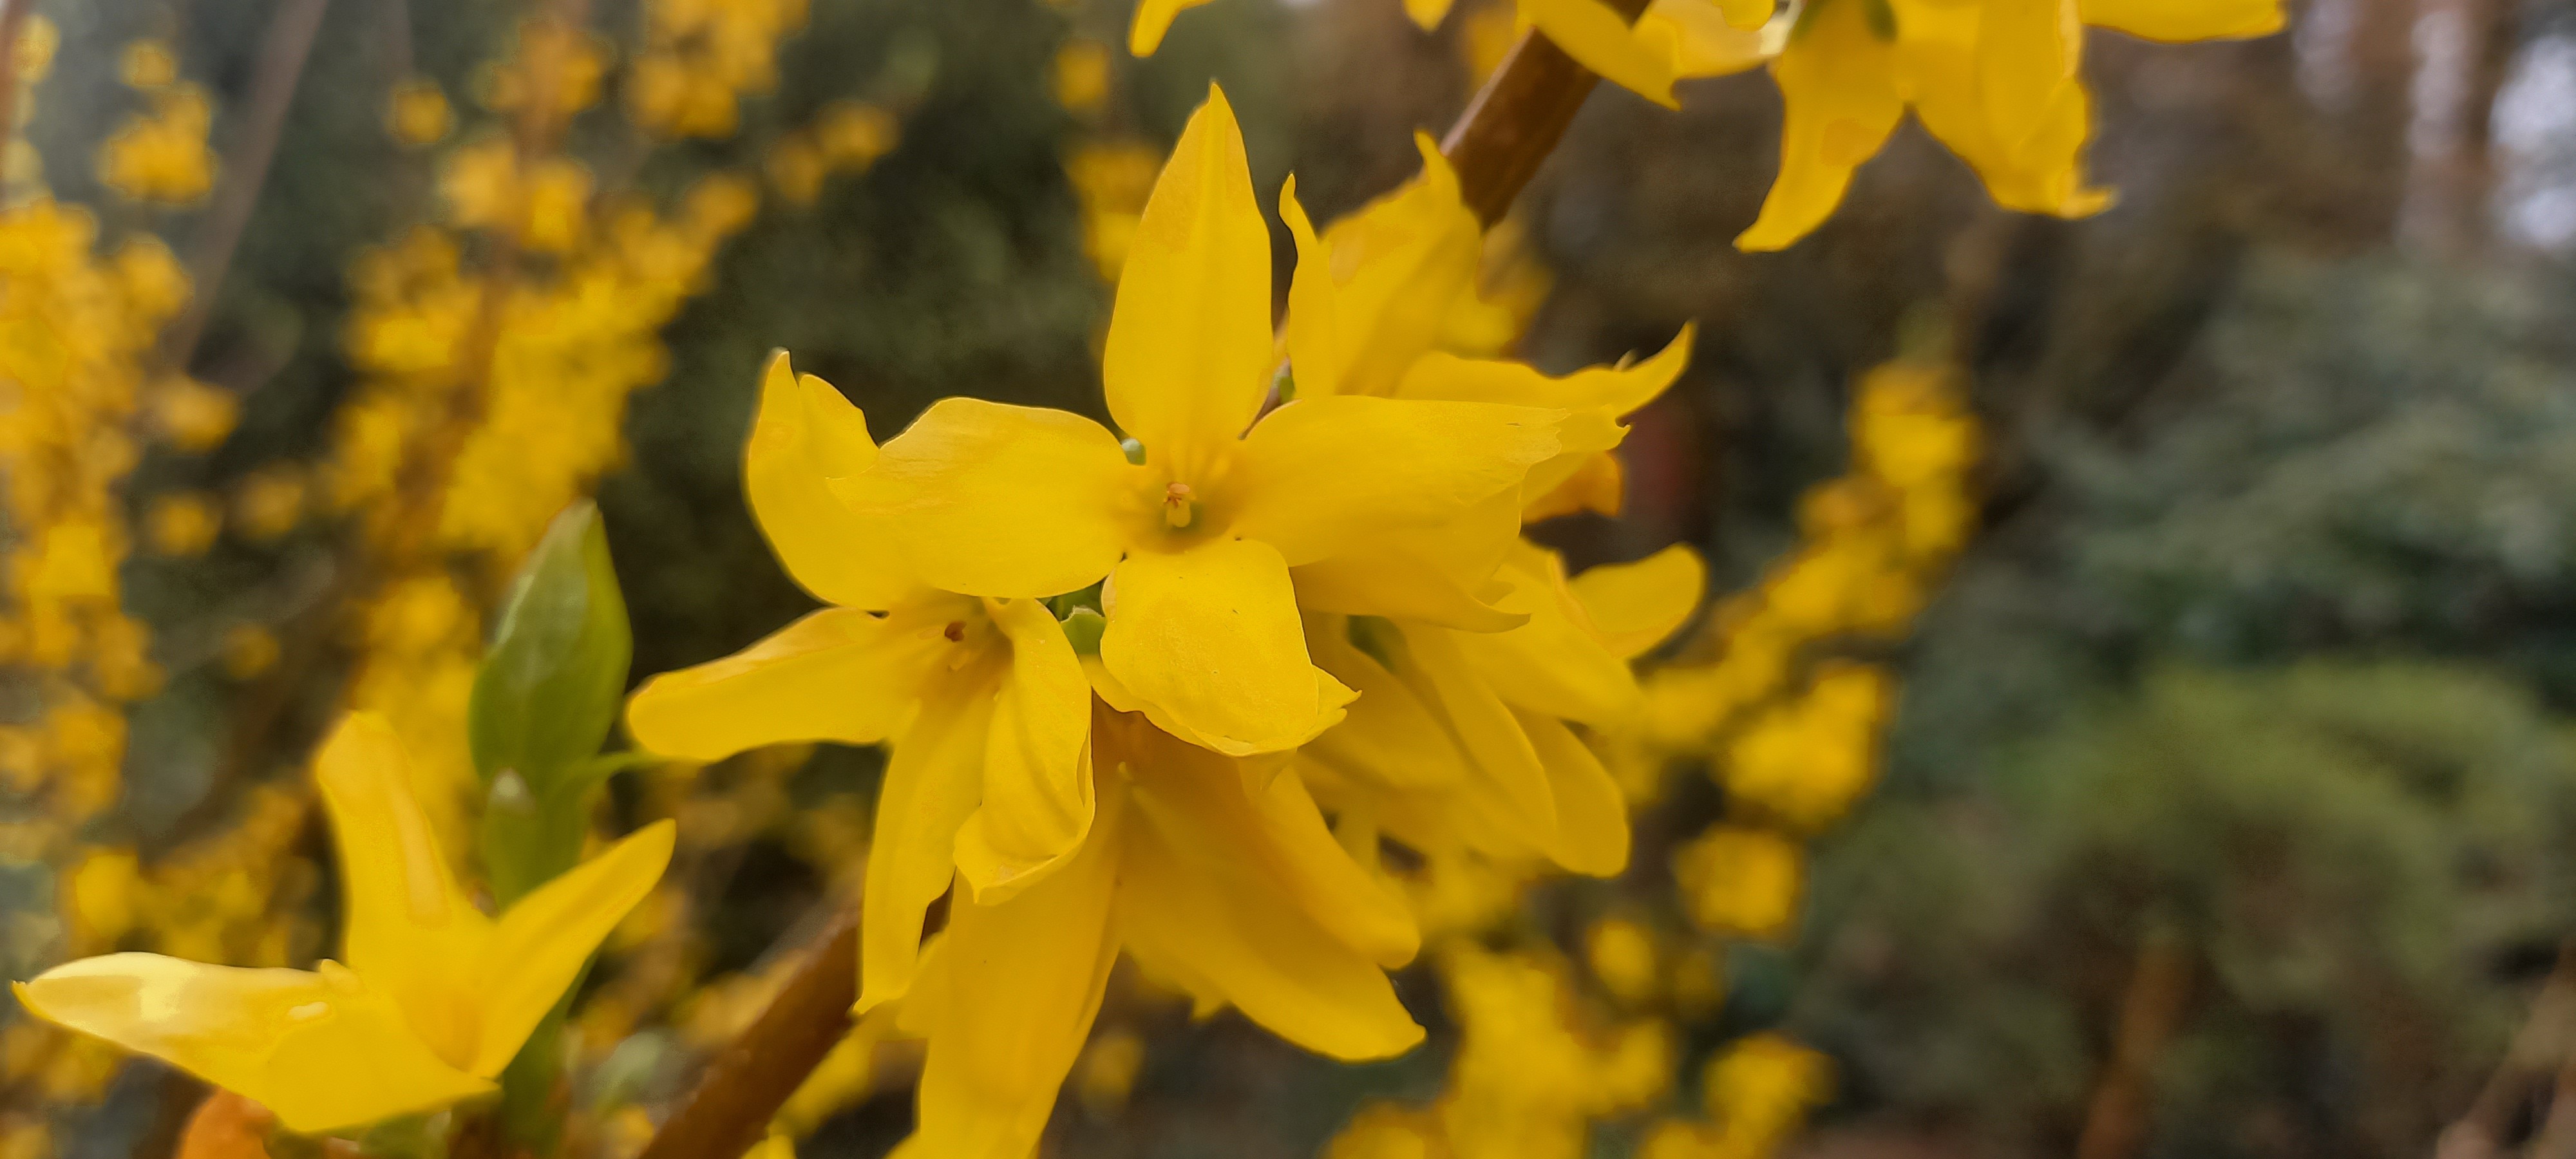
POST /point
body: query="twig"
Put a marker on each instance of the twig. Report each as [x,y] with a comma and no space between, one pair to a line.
[1515,121]
[747,1083]
[2149,1011]
[282,55]
[13,20]
[2540,1049]
[1508,129]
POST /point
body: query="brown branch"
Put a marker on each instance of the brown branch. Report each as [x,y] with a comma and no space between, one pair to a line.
[745,1085]
[1508,129]
[13,21]
[282,54]
[2149,1011]
[2540,1050]
[1515,121]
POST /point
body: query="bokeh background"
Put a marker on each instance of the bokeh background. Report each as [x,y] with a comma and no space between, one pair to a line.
[2230,793]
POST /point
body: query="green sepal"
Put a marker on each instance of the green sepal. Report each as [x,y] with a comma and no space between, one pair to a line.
[551,683]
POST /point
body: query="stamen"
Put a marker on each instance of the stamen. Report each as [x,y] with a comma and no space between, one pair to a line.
[1178,510]
[955,631]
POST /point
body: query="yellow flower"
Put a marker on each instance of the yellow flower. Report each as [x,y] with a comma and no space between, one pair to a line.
[1998,81]
[162,156]
[984,701]
[1217,875]
[418,113]
[1740,880]
[1213,515]
[436,997]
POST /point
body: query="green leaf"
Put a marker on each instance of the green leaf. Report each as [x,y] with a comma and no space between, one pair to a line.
[550,686]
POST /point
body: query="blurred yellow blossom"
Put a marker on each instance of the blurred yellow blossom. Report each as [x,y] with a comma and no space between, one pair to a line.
[249,651]
[161,156]
[1741,880]
[184,524]
[269,502]
[418,112]
[701,57]
[1107,1070]
[191,415]
[1082,73]
[1757,1093]
[147,64]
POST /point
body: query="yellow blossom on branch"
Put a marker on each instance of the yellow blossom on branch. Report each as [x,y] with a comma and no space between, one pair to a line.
[161,156]
[435,999]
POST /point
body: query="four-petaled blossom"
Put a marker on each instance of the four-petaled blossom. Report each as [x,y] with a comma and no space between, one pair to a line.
[435,999]
[1215,513]
[985,705]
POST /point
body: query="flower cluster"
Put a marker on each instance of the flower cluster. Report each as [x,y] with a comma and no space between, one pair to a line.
[160,155]
[1998,81]
[1118,673]
[701,57]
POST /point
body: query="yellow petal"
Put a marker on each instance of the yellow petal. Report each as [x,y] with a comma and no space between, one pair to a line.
[839,674]
[1398,267]
[1189,353]
[539,945]
[1037,801]
[1321,474]
[1010,502]
[1597,397]
[1598,483]
[319,1049]
[1708,39]
[804,434]
[1015,990]
[2027,57]
[2030,160]
[1153,19]
[1313,326]
[1390,738]
[1441,575]
[1596,37]
[933,779]
[1210,634]
[1427,14]
[1591,813]
[2185,20]
[1838,80]
[1635,605]
[407,924]
[1225,890]
[1554,664]
[1507,768]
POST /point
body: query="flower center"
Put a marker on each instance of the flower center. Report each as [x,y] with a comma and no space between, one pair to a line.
[1180,507]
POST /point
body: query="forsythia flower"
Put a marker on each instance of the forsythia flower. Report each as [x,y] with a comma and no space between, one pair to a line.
[1998,81]
[435,998]
[162,156]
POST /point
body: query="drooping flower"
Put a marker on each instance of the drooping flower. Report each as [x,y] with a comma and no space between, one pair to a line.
[1998,81]
[1212,518]
[983,700]
[1215,874]
[435,999]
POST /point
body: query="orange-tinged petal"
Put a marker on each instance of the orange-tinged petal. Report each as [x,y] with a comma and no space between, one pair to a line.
[1591,813]
[321,1050]
[1838,80]
[1189,353]
[805,434]
[2179,21]
[1009,998]
[1037,798]
[1010,502]
[839,674]
[933,780]
[1210,635]
[1597,37]
[1322,474]
[1634,606]
[539,945]
[406,922]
